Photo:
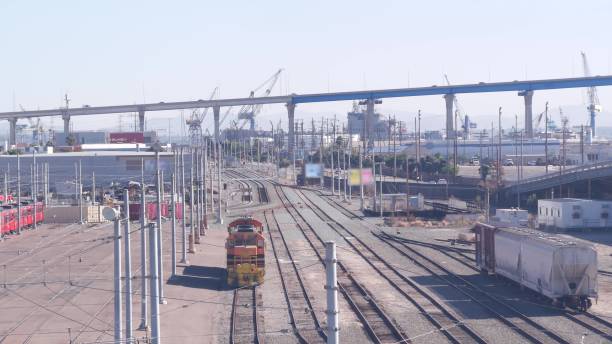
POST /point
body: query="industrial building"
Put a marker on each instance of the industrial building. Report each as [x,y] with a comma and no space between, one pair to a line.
[378,129]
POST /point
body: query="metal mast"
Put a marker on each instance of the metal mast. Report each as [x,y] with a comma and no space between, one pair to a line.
[594,107]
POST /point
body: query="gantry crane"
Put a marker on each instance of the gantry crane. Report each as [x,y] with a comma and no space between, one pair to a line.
[245,108]
[195,122]
[248,112]
[459,111]
[594,106]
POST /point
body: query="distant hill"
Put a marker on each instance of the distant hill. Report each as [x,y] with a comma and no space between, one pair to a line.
[605,132]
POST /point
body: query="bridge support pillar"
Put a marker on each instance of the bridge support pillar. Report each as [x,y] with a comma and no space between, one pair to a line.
[66,119]
[12,131]
[216,112]
[367,123]
[291,130]
[141,121]
[528,97]
[450,127]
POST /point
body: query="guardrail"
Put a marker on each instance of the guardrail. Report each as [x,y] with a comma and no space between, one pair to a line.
[568,175]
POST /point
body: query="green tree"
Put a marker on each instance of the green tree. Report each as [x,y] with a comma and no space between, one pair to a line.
[484,171]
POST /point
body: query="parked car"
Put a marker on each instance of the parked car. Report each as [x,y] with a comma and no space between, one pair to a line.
[508,162]
[442,181]
[532,163]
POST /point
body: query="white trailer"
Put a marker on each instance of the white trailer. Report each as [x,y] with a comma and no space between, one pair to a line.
[563,270]
[572,213]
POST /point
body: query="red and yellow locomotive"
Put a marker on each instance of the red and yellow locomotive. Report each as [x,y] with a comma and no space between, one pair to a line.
[245,246]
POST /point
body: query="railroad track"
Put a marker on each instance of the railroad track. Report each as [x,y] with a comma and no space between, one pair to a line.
[511,317]
[66,294]
[301,311]
[244,319]
[592,322]
[436,313]
[262,192]
[464,256]
[379,326]
[59,254]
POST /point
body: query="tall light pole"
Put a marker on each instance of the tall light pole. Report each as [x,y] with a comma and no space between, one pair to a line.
[160,266]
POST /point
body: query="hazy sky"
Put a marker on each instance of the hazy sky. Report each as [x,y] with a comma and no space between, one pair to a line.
[113,52]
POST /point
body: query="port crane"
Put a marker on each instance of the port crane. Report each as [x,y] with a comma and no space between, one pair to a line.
[466,124]
[244,110]
[594,106]
[248,113]
[195,122]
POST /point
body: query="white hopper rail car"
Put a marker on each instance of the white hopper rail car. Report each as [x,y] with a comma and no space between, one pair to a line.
[561,269]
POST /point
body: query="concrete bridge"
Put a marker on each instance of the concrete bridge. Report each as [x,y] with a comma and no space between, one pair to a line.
[525,89]
[584,174]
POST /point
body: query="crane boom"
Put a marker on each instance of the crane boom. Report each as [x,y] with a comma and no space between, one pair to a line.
[249,112]
[594,106]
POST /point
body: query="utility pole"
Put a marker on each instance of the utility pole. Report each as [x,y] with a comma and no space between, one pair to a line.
[519,163]
[33,186]
[333,144]
[154,285]
[173,202]
[581,144]
[321,161]
[520,174]
[220,191]
[211,168]
[80,192]
[160,266]
[394,151]
[46,183]
[418,166]
[184,212]
[117,279]
[93,187]
[143,250]
[347,172]
[192,235]
[360,178]
[128,268]
[18,193]
[499,154]
[455,148]
[204,193]
[381,189]
[5,187]
[546,137]
[332,293]
[203,225]
[196,223]
[344,174]
[408,188]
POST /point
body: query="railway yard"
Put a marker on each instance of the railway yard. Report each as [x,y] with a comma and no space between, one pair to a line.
[395,285]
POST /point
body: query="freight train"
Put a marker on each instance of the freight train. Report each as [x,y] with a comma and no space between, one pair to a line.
[245,248]
[151,210]
[560,269]
[8,217]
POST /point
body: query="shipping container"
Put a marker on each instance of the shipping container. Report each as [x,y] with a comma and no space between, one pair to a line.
[126,137]
[561,269]
[511,217]
[395,203]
